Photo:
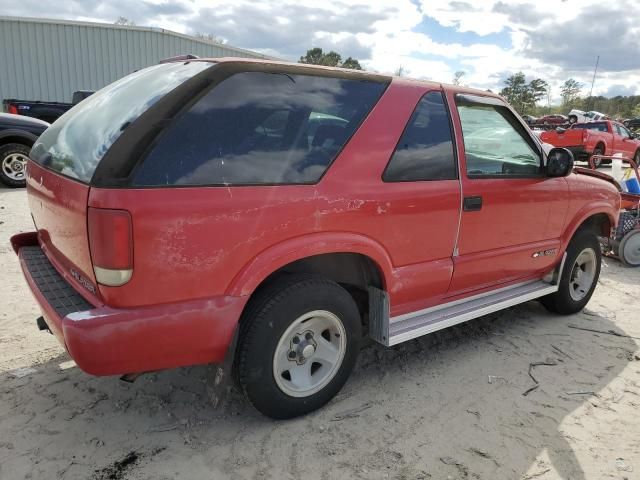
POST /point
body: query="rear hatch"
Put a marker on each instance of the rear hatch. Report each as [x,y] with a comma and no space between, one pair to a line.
[59,210]
[67,154]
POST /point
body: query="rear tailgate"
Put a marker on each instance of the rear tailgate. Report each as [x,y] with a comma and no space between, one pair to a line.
[59,209]
[564,138]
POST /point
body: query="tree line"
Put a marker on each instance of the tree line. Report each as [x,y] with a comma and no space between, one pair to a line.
[534,98]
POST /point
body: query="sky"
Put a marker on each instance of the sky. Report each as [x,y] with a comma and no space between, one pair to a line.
[430,39]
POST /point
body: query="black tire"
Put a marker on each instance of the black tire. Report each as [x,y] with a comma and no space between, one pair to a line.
[5,152]
[562,301]
[271,312]
[573,119]
[598,151]
[636,157]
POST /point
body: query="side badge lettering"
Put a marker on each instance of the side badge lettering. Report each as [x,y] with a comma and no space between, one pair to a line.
[545,253]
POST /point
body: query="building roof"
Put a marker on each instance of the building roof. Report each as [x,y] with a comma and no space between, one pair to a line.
[54,21]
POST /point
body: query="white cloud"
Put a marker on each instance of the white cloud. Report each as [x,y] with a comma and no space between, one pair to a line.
[552,40]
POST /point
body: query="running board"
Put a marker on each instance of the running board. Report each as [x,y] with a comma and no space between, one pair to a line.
[415,324]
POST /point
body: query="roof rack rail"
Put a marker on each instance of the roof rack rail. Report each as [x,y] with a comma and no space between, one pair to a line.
[179,58]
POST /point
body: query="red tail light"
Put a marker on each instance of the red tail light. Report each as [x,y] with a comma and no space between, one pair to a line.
[111,245]
[13,109]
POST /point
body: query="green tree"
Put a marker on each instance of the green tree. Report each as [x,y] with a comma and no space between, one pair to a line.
[517,92]
[316,56]
[351,63]
[570,92]
[125,21]
[458,76]
[538,89]
[210,37]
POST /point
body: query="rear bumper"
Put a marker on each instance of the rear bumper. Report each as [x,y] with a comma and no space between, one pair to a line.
[107,341]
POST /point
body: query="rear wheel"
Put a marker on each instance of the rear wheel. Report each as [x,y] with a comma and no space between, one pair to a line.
[598,151]
[629,249]
[579,275]
[299,345]
[573,119]
[13,164]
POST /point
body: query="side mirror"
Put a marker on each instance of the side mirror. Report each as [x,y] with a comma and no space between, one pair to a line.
[559,162]
[560,129]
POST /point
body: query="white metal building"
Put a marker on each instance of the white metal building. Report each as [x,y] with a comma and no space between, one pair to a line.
[42,59]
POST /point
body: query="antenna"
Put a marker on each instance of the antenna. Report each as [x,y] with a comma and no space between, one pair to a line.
[593,81]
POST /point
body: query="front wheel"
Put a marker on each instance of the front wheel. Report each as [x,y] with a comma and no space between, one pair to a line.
[299,345]
[579,275]
[573,119]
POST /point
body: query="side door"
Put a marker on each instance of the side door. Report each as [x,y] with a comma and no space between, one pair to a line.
[624,142]
[513,215]
[421,193]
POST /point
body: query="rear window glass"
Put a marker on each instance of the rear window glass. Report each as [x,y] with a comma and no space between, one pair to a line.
[425,150]
[599,126]
[77,141]
[260,128]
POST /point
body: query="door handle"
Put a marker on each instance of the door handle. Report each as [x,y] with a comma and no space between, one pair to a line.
[472,204]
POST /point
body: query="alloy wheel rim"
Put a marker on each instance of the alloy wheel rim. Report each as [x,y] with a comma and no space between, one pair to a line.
[309,353]
[583,274]
[14,166]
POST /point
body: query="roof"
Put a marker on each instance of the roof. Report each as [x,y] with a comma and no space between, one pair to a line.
[113,26]
[357,74]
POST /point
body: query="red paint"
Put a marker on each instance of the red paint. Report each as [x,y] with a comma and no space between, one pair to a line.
[199,253]
[108,341]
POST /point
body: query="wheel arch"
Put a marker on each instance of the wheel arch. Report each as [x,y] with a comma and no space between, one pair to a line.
[17,136]
[598,220]
[343,256]
[601,144]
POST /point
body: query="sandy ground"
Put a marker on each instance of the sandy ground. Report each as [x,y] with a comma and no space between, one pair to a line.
[447,406]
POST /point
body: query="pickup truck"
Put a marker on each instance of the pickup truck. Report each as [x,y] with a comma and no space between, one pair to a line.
[605,137]
[46,111]
[269,216]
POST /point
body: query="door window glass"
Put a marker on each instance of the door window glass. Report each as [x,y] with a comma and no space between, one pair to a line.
[495,145]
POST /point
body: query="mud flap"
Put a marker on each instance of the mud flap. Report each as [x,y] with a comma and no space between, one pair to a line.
[222,382]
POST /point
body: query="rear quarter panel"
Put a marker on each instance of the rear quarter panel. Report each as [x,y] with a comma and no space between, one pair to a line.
[197,242]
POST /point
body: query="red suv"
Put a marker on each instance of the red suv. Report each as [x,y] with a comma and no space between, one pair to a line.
[269,216]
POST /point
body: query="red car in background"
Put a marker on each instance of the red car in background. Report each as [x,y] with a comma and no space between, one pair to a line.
[274,215]
[604,137]
[552,120]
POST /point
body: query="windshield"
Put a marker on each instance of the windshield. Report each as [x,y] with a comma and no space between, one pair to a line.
[77,141]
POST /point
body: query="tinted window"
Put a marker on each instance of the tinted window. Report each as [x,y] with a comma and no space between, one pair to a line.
[425,150]
[599,126]
[260,128]
[77,141]
[622,131]
[495,142]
